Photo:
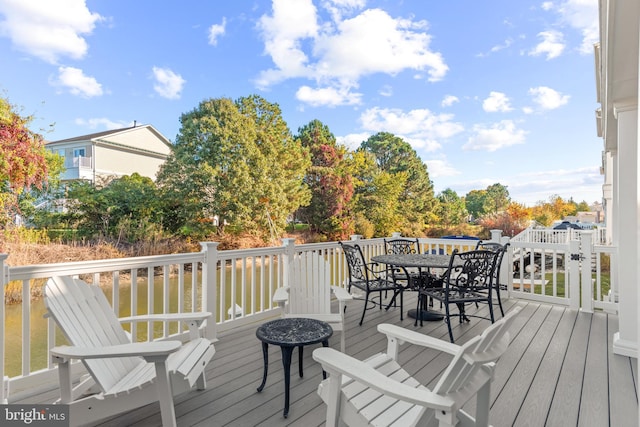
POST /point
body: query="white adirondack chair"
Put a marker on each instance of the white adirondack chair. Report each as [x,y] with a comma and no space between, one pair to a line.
[309,292]
[122,375]
[378,391]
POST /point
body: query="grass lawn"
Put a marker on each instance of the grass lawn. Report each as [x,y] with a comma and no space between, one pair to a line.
[605,283]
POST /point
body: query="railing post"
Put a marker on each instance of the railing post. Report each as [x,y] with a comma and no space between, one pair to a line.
[506,274]
[496,236]
[287,259]
[396,234]
[574,274]
[356,236]
[587,282]
[210,287]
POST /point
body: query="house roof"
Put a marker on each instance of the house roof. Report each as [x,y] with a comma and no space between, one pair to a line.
[103,134]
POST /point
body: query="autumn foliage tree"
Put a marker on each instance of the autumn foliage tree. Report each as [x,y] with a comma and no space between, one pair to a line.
[24,160]
[330,183]
[512,220]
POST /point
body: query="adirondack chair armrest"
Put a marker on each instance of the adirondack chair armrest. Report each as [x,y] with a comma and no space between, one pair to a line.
[403,335]
[281,296]
[192,320]
[341,294]
[147,350]
[343,298]
[337,363]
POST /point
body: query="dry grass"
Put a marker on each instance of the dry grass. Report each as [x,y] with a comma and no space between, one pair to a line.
[21,253]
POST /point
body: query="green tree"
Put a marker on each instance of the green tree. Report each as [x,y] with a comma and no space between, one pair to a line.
[452,210]
[380,202]
[583,206]
[125,207]
[329,181]
[395,156]
[25,163]
[280,166]
[236,162]
[476,203]
[497,198]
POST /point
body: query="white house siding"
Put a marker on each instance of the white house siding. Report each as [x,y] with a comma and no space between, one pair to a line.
[116,161]
[140,149]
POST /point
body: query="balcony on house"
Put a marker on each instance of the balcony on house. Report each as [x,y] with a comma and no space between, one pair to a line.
[560,368]
[78,167]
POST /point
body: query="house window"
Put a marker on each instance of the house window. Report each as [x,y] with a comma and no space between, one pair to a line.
[78,152]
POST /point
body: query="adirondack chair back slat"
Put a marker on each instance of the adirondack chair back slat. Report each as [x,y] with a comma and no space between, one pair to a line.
[85,317]
[468,362]
[309,290]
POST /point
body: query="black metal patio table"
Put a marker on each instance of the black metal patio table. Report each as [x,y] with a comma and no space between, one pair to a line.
[289,333]
[421,262]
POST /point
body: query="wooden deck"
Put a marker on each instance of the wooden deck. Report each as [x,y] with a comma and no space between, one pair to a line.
[558,371]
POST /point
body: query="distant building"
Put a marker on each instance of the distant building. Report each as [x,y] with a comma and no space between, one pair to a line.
[113,153]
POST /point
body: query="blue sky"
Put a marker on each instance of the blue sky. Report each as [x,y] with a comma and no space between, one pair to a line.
[485,91]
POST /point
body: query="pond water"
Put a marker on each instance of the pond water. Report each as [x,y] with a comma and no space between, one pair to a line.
[39,325]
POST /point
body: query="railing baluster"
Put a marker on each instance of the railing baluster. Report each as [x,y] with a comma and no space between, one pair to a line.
[26,327]
[165,298]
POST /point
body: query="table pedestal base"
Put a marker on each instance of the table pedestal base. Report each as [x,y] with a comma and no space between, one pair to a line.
[425,315]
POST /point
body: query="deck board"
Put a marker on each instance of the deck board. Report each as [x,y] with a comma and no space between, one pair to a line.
[622,381]
[558,370]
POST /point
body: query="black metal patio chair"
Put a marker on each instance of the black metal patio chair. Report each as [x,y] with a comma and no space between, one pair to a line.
[365,277]
[501,249]
[402,276]
[469,279]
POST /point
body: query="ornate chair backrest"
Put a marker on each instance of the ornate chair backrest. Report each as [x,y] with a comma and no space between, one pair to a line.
[358,271]
[402,246]
[500,249]
[309,288]
[471,270]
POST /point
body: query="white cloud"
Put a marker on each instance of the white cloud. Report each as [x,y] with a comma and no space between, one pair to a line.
[48,29]
[386,90]
[168,84]
[552,44]
[215,31]
[328,96]
[578,184]
[583,16]
[339,7]
[414,122]
[441,168]
[498,135]
[338,52]
[547,98]
[353,140]
[291,22]
[421,128]
[496,102]
[77,83]
[103,122]
[449,100]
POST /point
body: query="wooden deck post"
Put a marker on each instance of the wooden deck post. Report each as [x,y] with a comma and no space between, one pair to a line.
[209,287]
[287,259]
[573,287]
[585,275]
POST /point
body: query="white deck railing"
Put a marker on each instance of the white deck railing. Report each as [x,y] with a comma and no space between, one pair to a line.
[238,285]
